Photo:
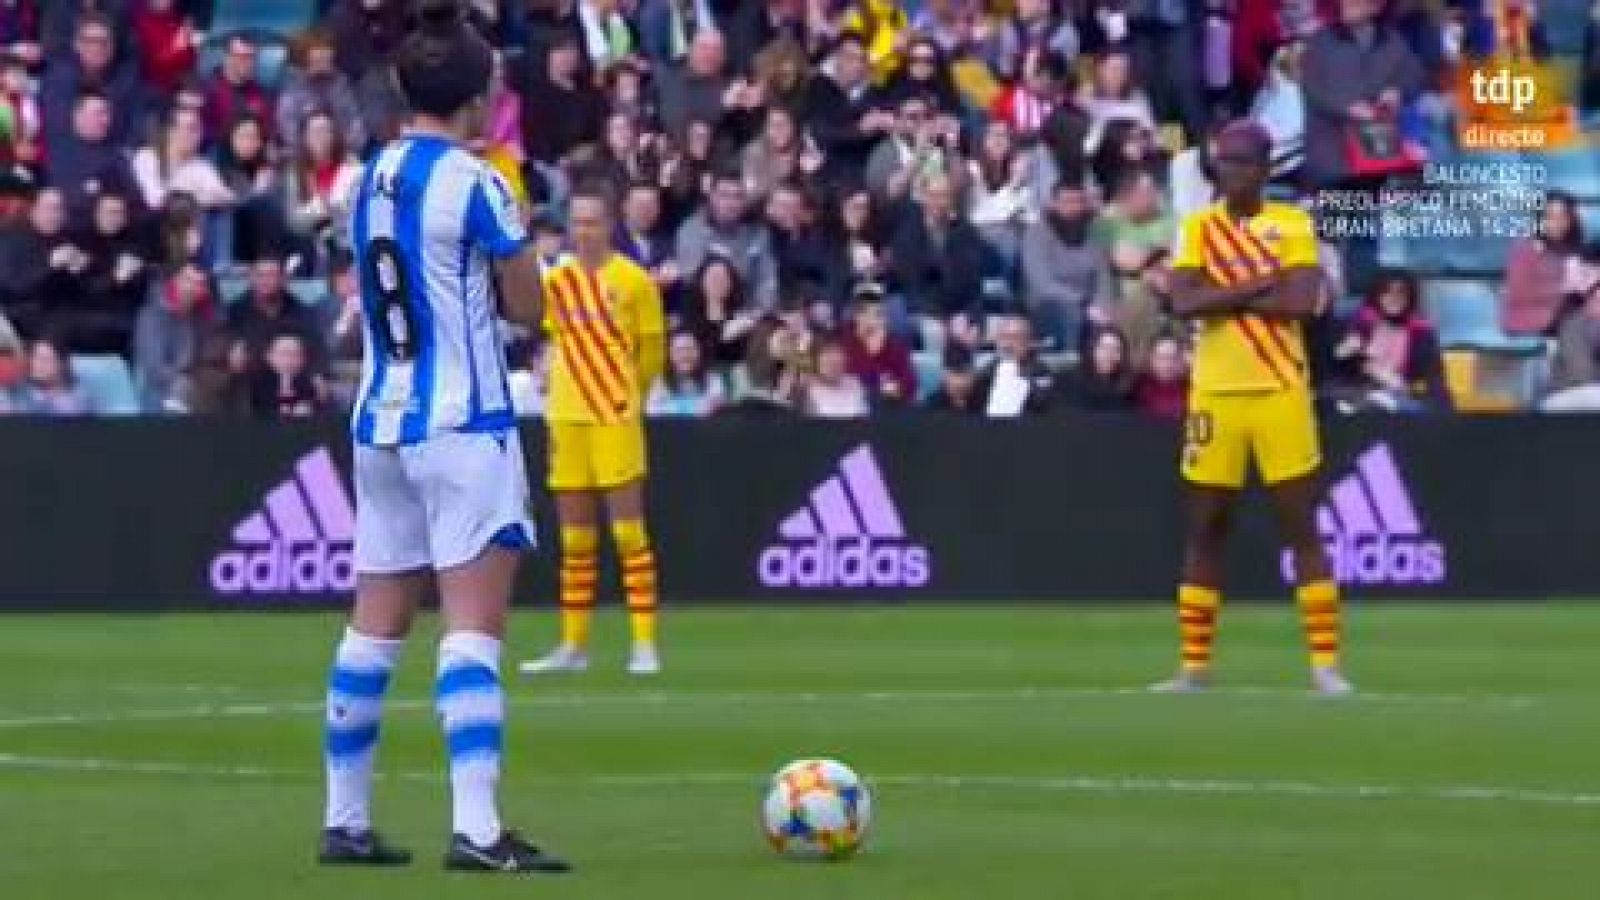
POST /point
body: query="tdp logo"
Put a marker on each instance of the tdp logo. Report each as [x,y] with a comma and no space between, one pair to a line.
[1502,88]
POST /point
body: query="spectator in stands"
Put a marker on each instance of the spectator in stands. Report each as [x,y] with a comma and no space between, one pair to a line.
[563,116]
[783,71]
[222,376]
[114,282]
[1356,71]
[1104,381]
[1280,108]
[1066,276]
[666,28]
[723,227]
[881,360]
[832,392]
[234,90]
[1027,103]
[269,308]
[609,38]
[958,380]
[882,26]
[774,155]
[92,65]
[40,265]
[1126,147]
[937,254]
[317,184]
[689,388]
[59,19]
[1189,175]
[1114,93]
[315,83]
[805,270]
[502,129]
[1547,273]
[180,231]
[1390,354]
[717,313]
[997,182]
[620,158]
[857,242]
[1165,38]
[383,107]
[341,309]
[168,338]
[1016,381]
[13,371]
[23,123]
[1575,370]
[51,388]
[247,165]
[926,74]
[1138,233]
[285,388]
[843,111]
[173,162]
[1162,389]
[19,30]
[1034,31]
[166,39]
[641,238]
[771,377]
[88,160]
[365,33]
[701,88]
[921,145]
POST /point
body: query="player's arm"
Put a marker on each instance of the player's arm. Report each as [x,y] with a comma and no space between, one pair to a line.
[1297,292]
[1194,293]
[494,223]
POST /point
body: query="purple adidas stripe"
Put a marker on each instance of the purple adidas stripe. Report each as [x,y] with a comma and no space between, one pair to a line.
[1389,496]
[327,495]
[865,479]
[833,508]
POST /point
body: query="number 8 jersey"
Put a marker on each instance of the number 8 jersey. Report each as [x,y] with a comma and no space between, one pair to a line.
[427,218]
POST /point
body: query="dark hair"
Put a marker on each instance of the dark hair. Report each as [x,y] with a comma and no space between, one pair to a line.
[1387,278]
[91,17]
[87,93]
[596,189]
[54,342]
[1116,334]
[700,378]
[444,64]
[1573,242]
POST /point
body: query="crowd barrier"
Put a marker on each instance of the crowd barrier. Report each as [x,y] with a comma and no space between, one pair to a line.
[150,515]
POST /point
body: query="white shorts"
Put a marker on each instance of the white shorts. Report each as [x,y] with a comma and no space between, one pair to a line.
[441,503]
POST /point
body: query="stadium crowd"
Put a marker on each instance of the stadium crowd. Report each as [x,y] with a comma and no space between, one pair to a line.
[851,207]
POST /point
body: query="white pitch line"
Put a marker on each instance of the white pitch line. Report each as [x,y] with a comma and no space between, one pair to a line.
[1087,784]
[206,711]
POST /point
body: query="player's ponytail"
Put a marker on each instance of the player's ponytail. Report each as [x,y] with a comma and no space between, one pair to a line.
[443,64]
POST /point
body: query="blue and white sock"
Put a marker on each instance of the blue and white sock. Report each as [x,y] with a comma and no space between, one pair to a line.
[472,711]
[356,686]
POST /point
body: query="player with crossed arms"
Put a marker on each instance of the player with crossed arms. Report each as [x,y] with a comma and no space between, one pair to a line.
[441,491]
[1246,272]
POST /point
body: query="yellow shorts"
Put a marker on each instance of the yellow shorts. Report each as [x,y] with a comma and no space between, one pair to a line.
[1222,432]
[595,457]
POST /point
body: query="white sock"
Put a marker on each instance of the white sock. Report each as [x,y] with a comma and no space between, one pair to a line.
[356,686]
[472,711]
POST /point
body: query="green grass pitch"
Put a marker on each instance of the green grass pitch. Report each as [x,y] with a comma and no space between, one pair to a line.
[1009,753]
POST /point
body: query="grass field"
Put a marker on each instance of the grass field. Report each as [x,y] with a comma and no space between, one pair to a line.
[1010,754]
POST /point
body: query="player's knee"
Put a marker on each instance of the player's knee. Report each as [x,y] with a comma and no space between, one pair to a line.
[579,540]
[630,536]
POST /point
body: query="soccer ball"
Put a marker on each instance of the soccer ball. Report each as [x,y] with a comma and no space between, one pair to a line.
[816,809]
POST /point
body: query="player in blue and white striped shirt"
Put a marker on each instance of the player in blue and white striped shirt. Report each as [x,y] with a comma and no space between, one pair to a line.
[441,491]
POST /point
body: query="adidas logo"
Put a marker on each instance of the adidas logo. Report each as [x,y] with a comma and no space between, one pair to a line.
[298,542]
[1371,530]
[848,535]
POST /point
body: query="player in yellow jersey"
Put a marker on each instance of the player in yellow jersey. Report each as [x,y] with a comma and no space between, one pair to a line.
[606,327]
[1245,271]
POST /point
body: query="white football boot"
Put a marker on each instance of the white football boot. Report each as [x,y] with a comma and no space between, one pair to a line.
[564,658]
[644,660]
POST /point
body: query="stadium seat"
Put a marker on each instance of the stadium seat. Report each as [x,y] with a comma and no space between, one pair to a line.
[1564,21]
[109,383]
[1467,315]
[282,17]
[929,368]
[1576,171]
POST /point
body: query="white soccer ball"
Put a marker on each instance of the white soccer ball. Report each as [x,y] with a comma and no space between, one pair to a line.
[816,809]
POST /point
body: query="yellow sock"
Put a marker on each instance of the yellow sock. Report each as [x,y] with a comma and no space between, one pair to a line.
[578,564]
[1319,609]
[1197,624]
[638,577]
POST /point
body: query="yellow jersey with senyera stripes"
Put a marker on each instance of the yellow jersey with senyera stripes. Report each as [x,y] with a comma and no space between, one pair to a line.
[605,326]
[1246,352]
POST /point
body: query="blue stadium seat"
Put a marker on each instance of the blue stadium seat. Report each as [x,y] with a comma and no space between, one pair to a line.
[109,383]
[283,17]
[1576,171]
[1467,315]
[1564,21]
[929,368]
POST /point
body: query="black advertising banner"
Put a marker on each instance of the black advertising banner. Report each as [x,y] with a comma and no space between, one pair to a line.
[184,514]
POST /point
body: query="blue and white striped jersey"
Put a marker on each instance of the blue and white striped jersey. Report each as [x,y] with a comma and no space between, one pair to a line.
[426,220]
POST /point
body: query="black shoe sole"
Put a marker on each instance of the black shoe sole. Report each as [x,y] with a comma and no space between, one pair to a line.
[373,862]
[473,866]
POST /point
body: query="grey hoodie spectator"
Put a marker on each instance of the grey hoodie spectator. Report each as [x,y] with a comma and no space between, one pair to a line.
[1064,273]
[88,161]
[723,228]
[1355,70]
[314,82]
[167,338]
